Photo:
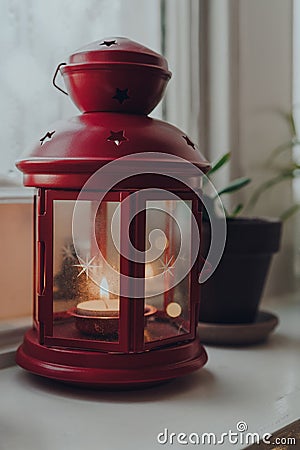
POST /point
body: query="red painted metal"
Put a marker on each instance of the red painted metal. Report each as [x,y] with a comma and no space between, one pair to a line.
[114,77]
[79,147]
[111,77]
[102,369]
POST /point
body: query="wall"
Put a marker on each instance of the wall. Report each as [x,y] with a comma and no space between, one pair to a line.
[16,260]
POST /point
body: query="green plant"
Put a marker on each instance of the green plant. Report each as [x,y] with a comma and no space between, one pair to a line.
[233,186]
[281,174]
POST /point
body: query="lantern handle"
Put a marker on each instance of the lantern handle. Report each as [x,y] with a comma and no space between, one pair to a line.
[54,78]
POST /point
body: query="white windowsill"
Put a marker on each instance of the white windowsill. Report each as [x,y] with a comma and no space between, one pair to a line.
[258,385]
[11,336]
[16,194]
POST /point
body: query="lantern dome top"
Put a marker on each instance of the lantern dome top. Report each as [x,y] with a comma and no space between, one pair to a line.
[83,144]
[117,75]
[107,80]
[118,49]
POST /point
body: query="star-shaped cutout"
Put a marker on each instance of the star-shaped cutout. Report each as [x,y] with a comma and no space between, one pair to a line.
[167,266]
[109,43]
[48,135]
[117,137]
[121,95]
[189,142]
[85,266]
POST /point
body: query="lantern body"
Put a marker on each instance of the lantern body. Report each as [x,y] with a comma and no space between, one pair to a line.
[103,317]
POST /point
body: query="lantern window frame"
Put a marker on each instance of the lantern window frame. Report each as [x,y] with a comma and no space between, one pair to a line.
[131,323]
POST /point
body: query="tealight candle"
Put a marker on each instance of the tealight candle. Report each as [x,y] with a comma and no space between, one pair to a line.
[99,308]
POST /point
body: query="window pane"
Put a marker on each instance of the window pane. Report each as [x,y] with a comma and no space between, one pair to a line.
[172,302]
[85,292]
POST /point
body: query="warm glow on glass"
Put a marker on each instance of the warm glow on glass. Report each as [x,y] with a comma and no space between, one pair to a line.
[104,293]
[161,242]
[149,272]
[174,309]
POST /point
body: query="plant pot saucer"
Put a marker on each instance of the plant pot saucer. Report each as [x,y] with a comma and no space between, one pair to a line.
[238,334]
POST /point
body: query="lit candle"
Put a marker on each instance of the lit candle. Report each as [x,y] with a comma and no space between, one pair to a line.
[102,307]
[99,308]
[101,317]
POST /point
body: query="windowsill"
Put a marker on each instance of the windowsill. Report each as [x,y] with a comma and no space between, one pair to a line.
[11,336]
[16,194]
[258,385]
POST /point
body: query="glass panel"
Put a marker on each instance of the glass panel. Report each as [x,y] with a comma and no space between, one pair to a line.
[167,297]
[83,302]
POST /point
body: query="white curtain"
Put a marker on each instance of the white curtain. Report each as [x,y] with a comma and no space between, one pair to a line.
[182,50]
[37,35]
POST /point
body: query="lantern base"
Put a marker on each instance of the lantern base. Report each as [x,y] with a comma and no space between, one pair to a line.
[113,370]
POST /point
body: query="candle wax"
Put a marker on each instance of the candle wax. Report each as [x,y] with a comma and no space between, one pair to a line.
[99,308]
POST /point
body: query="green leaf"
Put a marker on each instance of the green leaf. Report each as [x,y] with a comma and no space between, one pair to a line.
[289,212]
[291,121]
[237,210]
[289,117]
[235,185]
[283,147]
[219,163]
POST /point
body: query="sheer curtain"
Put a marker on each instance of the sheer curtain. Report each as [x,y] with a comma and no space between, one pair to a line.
[296,102]
[249,86]
[182,48]
[35,36]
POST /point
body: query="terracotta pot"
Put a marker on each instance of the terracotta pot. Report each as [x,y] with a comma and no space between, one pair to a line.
[233,292]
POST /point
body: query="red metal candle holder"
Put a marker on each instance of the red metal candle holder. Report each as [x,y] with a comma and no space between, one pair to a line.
[115,301]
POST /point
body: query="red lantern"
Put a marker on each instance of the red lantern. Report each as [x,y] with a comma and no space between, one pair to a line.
[116,292]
